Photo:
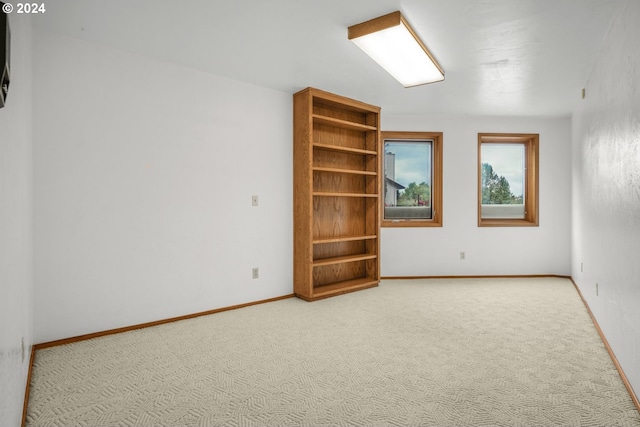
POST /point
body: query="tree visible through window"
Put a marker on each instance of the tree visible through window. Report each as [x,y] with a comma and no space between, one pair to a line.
[404,199]
[412,183]
[502,175]
[508,179]
[496,190]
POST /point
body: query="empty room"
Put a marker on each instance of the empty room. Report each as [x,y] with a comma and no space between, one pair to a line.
[320,213]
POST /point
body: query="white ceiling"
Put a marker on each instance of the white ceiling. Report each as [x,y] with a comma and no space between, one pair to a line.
[501,57]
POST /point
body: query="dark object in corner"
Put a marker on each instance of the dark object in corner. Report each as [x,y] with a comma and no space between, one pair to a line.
[5,49]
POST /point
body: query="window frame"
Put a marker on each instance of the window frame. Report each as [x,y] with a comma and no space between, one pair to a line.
[436,184]
[531,177]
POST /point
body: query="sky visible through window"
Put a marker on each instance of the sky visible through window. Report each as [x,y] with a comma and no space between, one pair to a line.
[413,161]
[507,160]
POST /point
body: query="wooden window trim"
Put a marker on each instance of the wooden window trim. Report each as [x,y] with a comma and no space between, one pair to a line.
[436,190]
[531,205]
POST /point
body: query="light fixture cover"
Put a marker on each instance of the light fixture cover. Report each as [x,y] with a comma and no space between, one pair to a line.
[391,42]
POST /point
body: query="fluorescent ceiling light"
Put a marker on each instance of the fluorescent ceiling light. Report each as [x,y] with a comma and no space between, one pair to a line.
[391,42]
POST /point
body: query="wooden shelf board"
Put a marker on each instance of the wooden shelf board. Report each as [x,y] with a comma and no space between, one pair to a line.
[343,259]
[343,149]
[343,287]
[351,171]
[342,123]
[336,101]
[344,239]
[336,194]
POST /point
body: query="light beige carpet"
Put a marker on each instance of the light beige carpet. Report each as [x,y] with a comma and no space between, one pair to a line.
[467,352]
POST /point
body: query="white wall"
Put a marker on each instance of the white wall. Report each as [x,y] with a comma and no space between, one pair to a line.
[16,227]
[606,191]
[144,173]
[489,250]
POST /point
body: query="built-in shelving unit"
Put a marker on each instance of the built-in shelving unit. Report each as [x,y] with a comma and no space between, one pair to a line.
[336,194]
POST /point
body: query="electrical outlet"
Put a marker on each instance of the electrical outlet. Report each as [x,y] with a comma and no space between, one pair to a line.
[254,200]
[596,288]
[256,272]
[463,256]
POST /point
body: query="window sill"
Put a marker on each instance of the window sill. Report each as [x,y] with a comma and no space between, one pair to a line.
[506,223]
[410,223]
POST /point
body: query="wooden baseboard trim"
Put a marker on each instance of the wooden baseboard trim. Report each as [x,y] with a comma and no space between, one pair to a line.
[493,276]
[614,359]
[149,324]
[28,387]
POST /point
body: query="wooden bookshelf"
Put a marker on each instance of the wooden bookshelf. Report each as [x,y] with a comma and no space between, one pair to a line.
[336,194]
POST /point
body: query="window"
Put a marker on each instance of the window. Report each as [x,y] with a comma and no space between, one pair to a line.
[507,179]
[412,182]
